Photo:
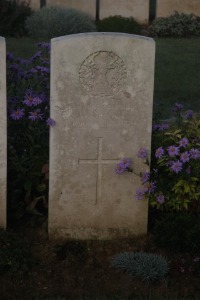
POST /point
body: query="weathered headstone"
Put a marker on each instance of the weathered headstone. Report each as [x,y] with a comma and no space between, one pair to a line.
[3,134]
[101,100]
[138,9]
[166,8]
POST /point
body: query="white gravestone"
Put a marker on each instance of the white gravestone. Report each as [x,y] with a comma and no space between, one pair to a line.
[3,134]
[101,100]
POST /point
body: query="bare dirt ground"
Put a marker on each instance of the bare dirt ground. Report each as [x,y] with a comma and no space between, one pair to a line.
[78,269]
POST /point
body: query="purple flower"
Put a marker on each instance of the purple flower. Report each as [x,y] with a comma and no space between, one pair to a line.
[189,114]
[163,127]
[17,114]
[151,187]
[176,166]
[155,127]
[182,269]
[44,45]
[125,162]
[50,122]
[177,107]
[42,69]
[159,152]
[35,115]
[37,100]
[145,177]
[119,169]
[183,142]
[140,193]
[173,151]
[142,153]
[161,198]
[194,153]
[185,156]
[30,99]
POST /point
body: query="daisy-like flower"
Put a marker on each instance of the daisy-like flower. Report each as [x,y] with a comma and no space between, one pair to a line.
[185,156]
[176,166]
[35,115]
[194,153]
[159,152]
[183,142]
[17,114]
[173,151]
[120,169]
[142,153]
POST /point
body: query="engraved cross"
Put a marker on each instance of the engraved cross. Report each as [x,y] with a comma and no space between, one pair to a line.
[99,162]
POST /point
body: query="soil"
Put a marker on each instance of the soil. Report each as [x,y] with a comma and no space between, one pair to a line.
[78,269]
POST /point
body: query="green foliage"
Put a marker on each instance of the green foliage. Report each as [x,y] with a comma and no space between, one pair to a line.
[13,14]
[146,266]
[176,25]
[118,24]
[178,232]
[14,252]
[51,22]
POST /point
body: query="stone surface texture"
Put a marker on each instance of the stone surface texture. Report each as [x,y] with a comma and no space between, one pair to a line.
[101,100]
[168,7]
[138,9]
[87,6]
[3,134]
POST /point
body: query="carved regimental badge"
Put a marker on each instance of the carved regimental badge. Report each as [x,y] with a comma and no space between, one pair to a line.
[103,73]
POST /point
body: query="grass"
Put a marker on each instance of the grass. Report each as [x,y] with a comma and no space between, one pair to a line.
[177,74]
[177,71]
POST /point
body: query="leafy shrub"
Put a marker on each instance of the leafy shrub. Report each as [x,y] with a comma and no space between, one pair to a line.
[176,25]
[50,22]
[178,232]
[118,24]
[173,182]
[13,14]
[146,266]
[14,252]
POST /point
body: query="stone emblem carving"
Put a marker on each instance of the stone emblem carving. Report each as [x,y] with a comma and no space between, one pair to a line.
[103,73]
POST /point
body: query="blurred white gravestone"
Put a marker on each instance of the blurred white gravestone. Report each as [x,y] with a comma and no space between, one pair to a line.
[3,134]
[101,100]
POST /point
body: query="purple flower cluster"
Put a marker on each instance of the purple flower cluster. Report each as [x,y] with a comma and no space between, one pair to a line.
[31,77]
[160,127]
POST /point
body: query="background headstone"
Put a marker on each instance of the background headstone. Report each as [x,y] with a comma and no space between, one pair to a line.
[87,6]
[166,8]
[101,100]
[138,9]
[3,134]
